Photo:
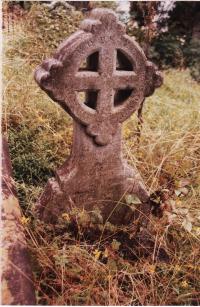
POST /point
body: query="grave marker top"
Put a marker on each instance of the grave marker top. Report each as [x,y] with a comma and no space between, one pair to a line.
[108,68]
[116,77]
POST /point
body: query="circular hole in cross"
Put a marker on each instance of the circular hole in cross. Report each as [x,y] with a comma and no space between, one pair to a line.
[91,63]
[89,98]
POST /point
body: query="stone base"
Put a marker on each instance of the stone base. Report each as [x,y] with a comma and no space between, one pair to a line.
[87,192]
[93,176]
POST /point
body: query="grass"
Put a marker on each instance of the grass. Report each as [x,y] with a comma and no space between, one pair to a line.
[71,270]
[73,262]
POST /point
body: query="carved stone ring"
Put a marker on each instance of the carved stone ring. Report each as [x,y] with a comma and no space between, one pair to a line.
[116,77]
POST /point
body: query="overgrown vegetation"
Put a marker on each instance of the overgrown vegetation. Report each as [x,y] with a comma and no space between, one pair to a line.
[81,261]
[170,32]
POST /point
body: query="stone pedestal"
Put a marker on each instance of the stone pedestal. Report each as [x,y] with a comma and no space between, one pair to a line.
[93,176]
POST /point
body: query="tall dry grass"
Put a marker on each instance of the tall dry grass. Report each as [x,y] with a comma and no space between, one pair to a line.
[78,267]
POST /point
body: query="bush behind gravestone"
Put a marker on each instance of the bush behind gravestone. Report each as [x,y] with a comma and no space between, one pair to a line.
[192,54]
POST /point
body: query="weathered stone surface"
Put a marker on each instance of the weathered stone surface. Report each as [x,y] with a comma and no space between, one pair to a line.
[17,286]
[116,78]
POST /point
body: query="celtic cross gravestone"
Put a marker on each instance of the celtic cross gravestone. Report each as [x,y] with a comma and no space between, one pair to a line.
[100,76]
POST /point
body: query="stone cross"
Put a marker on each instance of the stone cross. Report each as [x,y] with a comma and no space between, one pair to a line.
[100,76]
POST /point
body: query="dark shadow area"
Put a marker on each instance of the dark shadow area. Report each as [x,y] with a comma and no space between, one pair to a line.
[89,98]
[123,62]
[121,96]
[91,63]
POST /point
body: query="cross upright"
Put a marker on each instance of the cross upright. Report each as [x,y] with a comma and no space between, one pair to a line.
[100,76]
